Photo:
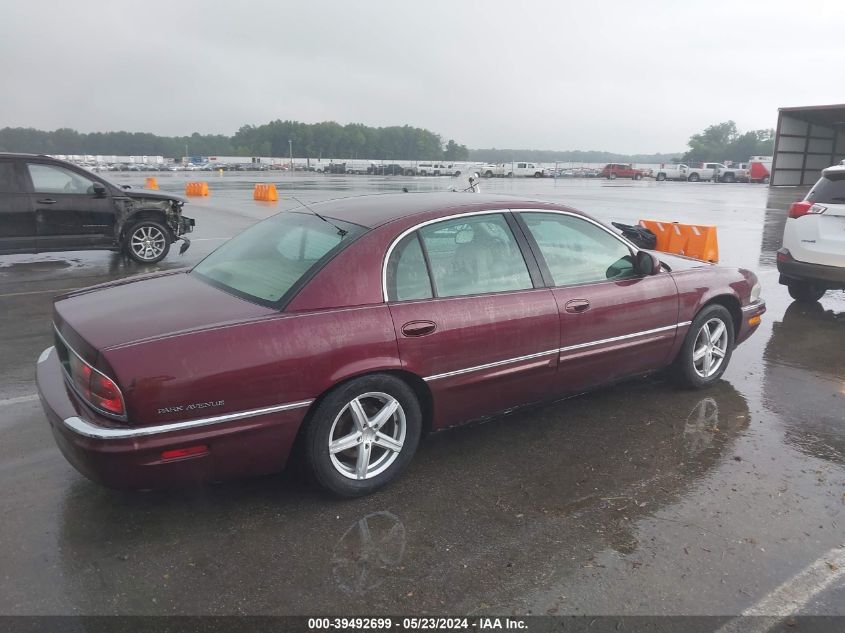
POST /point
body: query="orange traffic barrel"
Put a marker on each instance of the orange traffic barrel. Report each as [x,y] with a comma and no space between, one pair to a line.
[698,241]
[265,193]
[151,183]
[196,188]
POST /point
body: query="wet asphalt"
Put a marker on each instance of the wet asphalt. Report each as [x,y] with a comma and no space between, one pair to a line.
[634,499]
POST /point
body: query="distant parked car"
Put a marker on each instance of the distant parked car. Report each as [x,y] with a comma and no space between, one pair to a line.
[349,328]
[672,172]
[612,171]
[812,259]
[49,205]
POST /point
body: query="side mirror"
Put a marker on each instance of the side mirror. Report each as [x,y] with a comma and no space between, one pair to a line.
[647,263]
[99,190]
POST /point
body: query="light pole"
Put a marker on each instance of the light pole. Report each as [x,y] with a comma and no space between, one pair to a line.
[290,151]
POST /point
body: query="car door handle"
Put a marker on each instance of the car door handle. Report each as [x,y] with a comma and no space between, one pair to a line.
[418,328]
[46,201]
[577,305]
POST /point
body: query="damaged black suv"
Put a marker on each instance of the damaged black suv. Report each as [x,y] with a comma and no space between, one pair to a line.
[47,204]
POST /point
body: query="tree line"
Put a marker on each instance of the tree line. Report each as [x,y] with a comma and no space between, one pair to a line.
[722,141]
[332,140]
[277,138]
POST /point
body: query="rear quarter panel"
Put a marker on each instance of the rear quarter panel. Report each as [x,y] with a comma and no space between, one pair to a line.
[260,363]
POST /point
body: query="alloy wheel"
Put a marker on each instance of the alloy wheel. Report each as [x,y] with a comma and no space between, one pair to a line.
[710,348]
[147,242]
[367,435]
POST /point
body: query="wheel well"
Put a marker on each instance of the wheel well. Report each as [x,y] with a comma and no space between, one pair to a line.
[417,385]
[139,216]
[732,305]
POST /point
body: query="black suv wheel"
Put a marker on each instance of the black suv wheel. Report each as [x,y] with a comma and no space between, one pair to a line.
[147,241]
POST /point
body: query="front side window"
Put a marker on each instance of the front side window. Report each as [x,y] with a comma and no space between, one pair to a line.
[474,255]
[269,258]
[407,274]
[55,179]
[577,251]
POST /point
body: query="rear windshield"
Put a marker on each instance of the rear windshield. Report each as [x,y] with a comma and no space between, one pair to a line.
[831,188]
[268,259]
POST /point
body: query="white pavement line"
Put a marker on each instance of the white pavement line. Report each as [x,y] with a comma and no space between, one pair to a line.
[792,595]
[18,400]
[39,292]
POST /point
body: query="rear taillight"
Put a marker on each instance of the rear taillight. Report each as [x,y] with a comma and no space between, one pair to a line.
[798,209]
[95,387]
[105,394]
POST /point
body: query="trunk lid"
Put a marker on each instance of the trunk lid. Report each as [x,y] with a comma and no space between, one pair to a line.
[146,307]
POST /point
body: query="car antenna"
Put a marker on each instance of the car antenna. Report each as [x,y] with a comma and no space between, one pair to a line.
[340,231]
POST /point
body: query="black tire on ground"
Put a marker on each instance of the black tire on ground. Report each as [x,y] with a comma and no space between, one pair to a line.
[488,174]
[684,369]
[693,178]
[456,174]
[638,176]
[147,241]
[538,174]
[661,177]
[805,291]
[611,176]
[729,178]
[334,419]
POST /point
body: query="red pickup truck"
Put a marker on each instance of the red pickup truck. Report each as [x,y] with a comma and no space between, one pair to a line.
[612,171]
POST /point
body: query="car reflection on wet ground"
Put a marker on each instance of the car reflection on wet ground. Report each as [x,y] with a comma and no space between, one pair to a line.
[635,499]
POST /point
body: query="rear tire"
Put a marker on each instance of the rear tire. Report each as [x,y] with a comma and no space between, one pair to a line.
[730,178]
[638,177]
[805,291]
[612,177]
[661,177]
[147,242]
[693,178]
[376,449]
[704,356]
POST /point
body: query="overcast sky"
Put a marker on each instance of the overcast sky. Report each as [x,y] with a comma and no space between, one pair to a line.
[629,76]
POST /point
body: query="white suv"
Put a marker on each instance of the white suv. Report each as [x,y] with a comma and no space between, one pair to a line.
[812,259]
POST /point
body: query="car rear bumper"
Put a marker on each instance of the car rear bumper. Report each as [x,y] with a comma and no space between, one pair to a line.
[119,456]
[792,269]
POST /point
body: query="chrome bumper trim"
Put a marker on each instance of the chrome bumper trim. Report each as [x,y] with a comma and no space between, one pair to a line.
[45,354]
[757,305]
[86,429]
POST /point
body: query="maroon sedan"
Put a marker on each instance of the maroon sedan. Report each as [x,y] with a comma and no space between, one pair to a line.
[350,328]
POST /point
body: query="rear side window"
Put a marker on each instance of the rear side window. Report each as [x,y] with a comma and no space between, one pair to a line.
[9,178]
[407,274]
[830,188]
[474,255]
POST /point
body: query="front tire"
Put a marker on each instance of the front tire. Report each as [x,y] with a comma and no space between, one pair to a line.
[362,435]
[805,291]
[147,242]
[707,348]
